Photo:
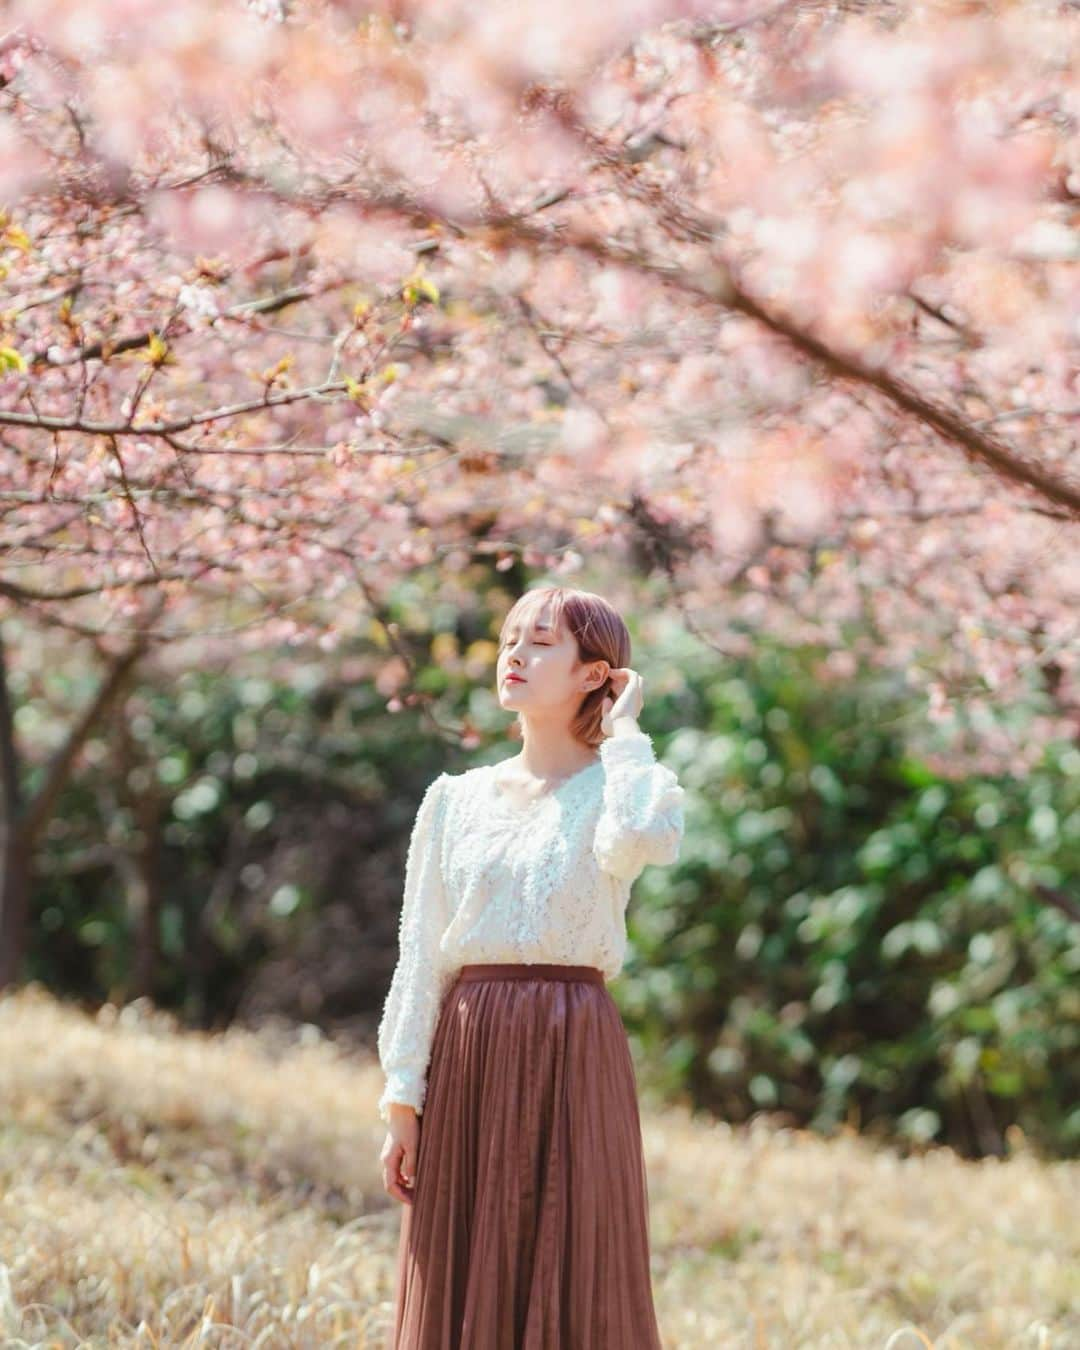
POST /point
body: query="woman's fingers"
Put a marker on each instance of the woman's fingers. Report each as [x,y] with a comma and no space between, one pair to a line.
[398,1191]
[394,1186]
[393,1168]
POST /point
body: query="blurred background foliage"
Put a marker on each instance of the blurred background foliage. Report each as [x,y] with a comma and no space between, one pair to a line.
[852,937]
[849,938]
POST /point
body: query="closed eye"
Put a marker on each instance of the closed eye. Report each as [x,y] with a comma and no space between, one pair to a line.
[536,642]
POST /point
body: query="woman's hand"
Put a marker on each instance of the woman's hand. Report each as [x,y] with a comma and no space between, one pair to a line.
[399,1153]
[629,690]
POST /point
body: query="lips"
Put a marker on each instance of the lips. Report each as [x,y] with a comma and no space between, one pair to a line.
[513,679]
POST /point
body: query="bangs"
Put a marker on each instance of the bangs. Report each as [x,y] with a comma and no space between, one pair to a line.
[526,607]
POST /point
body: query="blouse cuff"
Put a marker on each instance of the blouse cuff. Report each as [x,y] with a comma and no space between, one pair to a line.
[404,1088]
[629,747]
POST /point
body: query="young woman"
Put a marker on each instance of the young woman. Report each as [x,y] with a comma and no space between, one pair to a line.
[514,1137]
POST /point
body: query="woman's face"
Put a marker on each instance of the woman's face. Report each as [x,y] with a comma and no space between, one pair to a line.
[545,662]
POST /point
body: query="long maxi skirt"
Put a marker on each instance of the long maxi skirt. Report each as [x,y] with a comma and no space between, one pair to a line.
[529,1226]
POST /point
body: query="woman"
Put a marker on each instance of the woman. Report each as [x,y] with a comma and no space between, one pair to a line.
[514,1137]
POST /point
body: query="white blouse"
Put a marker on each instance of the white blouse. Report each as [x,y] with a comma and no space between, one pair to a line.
[487,879]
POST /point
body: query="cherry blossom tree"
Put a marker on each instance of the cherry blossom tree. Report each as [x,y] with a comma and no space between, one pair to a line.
[777,302]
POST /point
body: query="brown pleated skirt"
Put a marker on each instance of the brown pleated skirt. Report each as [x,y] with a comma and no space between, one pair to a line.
[529,1227]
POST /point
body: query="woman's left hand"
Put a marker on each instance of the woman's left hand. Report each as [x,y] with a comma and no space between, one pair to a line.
[629,689]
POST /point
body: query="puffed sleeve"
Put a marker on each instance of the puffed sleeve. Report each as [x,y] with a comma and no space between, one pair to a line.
[420,977]
[641,819]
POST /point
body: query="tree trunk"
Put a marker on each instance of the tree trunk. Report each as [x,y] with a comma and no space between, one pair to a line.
[22,824]
[14,904]
[14,859]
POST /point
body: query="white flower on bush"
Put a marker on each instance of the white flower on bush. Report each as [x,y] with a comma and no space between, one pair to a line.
[199,301]
[269,9]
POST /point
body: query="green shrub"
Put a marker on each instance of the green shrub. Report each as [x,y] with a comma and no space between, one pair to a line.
[848,936]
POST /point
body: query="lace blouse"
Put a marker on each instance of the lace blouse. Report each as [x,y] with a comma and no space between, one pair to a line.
[487,879]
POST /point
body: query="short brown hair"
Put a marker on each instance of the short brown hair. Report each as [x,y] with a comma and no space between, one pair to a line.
[599,631]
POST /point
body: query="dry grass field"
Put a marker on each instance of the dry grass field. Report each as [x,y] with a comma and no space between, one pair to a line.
[160,1187]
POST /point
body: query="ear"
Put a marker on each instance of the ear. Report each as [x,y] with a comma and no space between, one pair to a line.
[599,673]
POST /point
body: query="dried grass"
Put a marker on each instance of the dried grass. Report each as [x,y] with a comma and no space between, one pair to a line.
[166,1188]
